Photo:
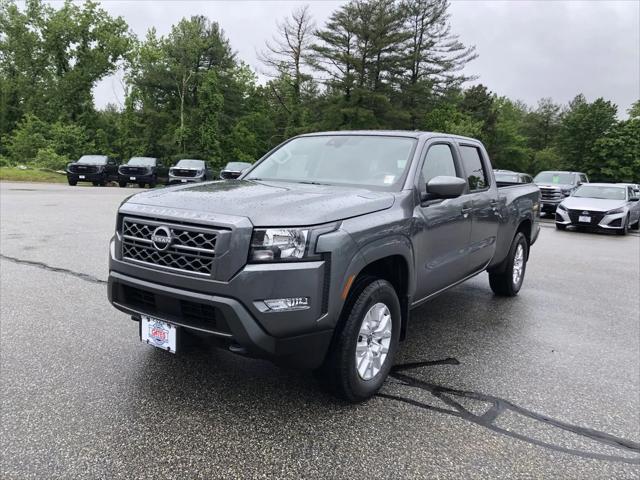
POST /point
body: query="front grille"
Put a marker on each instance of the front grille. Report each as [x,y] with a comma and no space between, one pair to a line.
[551,194]
[192,249]
[184,312]
[83,168]
[177,172]
[133,170]
[596,217]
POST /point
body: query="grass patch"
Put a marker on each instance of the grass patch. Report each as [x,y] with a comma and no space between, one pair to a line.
[13,174]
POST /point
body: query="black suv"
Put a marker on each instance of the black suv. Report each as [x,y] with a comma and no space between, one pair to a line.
[140,170]
[98,169]
[189,170]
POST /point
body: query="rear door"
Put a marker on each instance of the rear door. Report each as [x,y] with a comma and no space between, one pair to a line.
[483,194]
[441,227]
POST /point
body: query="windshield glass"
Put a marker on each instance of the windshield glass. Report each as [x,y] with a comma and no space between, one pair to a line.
[506,177]
[375,161]
[557,178]
[93,159]
[142,161]
[605,193]
[237,166]
[186,163]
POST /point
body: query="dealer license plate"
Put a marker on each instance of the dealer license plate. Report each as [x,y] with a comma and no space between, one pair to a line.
[132,178]
[81,177]
[584,219]
[158,333]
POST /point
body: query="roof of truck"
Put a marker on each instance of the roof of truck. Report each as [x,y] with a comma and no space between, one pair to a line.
[394,133]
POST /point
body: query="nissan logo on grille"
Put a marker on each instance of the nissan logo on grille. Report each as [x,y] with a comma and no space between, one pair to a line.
[161,238]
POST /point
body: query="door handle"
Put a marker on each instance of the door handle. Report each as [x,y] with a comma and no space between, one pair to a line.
[465,211]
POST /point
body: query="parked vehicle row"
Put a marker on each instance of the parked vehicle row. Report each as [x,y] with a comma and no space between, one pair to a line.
[555,186]
[146,171]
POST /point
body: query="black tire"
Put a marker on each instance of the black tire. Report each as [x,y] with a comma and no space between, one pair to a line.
[122,184]
[635,226]
[340,370]
[503,283]
[561,227]
[625,227]
[153,182]
[73,183]
[141,184]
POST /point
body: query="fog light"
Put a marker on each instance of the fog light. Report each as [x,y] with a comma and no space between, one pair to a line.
[281,304]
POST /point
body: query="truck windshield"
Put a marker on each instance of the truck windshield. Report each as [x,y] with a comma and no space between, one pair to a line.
[556,178]
[186,163]
[141,162]
[605,193]
[93,159]
[368,160]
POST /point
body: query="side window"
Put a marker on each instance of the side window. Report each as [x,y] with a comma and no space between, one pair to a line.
[528,179]
[630,193]
[476,175]
[439,161]
[583,178]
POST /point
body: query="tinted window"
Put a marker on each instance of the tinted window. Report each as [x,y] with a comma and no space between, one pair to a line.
[439,161]
[476,176]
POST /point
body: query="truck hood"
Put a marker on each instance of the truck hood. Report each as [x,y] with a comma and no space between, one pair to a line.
[592,204]
[268,203]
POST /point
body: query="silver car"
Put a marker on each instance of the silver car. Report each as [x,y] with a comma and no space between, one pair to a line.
[607,206]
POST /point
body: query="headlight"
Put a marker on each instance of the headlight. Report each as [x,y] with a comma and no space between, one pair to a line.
[274,244]
[617,210]
[562,207]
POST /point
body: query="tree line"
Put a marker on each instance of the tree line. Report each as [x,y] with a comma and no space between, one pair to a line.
[374,64]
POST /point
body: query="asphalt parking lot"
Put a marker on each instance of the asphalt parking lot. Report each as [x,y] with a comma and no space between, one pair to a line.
[544,385]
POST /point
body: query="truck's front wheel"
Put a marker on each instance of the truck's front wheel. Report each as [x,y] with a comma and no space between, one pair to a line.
[508,282]
[362,351]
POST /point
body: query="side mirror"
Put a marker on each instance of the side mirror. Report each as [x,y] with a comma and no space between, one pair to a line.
[445,187]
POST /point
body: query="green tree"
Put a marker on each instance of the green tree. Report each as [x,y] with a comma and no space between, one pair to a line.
[617,154]
[581,126]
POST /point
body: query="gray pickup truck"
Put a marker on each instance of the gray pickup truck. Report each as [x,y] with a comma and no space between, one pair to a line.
[316,256]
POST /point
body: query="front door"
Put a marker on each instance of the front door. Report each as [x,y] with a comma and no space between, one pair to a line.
[441,227]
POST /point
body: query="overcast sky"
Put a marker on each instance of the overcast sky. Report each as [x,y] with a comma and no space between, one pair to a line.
[527,49]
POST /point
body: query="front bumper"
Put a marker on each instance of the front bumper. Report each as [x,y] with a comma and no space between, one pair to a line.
[173,179]
[549,205]
[232,311]
[86,177]
[135,178]
[606,222]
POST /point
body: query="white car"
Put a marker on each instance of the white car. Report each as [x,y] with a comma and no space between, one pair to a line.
[606,206]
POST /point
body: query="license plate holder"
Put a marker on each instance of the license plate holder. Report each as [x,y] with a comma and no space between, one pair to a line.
[132,178]
[584,219]
[158,333]
[81,177]
[183,181]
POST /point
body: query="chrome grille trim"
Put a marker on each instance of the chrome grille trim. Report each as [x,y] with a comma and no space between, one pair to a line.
[192,249]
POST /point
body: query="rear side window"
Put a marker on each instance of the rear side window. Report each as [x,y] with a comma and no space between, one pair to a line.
[476,175]
[527,179]
[583,178]
[439,161]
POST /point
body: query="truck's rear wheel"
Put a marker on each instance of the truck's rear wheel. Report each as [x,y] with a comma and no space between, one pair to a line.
[362,351]
[508,282]
[73,183]
[122,184]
